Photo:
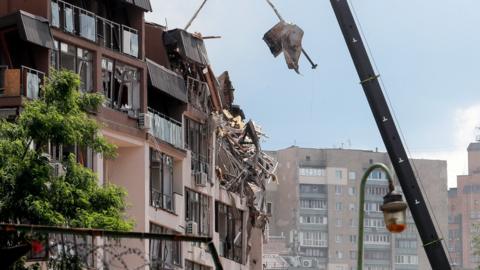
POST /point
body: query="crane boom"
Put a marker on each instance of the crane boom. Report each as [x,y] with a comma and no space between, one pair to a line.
[391,138]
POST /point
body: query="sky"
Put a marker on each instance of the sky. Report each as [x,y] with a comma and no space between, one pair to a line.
[426,52]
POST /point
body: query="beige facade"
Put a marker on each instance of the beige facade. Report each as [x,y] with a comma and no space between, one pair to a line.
[321,186]
[464,213]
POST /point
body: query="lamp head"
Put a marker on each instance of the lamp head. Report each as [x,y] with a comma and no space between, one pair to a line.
[394,212]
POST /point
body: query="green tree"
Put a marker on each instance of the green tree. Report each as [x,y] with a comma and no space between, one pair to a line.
[29,190]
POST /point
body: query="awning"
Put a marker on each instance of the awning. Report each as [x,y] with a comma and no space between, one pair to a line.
[143,4]
[31,28]
[167,81]
[188,45]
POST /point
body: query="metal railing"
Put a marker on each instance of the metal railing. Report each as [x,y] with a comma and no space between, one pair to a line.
[166,128]
[32,81]
[314,243]
[162,201]
[86,24]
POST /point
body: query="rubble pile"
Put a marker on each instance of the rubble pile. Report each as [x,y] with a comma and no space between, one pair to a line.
[242,167]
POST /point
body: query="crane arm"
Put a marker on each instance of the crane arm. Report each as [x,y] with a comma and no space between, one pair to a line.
[391,138]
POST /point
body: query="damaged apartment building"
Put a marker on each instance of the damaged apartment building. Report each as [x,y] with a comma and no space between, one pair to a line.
[189,160]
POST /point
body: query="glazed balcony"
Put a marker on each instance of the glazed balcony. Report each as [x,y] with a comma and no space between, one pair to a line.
[85,24]
[165,128]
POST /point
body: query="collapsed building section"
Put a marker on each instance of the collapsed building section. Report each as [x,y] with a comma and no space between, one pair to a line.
[241,167]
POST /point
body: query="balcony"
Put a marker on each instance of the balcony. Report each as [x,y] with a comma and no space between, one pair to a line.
[83,23]
[25,82]
[314,243]
[165,128]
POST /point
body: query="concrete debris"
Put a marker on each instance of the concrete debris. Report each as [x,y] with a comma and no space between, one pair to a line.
[287,38]
[242,167]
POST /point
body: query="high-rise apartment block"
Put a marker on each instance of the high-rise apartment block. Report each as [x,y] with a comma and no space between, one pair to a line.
[161,97]
[464,214]
[314,212]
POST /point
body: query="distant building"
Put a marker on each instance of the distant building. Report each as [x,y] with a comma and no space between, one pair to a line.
[464,213]
[314,207]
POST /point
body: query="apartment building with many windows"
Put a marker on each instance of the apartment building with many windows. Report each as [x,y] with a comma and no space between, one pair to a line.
[464,214]
[160,94]
[321,186]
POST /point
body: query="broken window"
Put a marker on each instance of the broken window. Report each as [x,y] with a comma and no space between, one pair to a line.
[161,181]
[196,138]
[85,69]
[108,34]
[197,207]
[198,94]
[164,254]
[66,56]
[121,87]
[229,225]
[107,78]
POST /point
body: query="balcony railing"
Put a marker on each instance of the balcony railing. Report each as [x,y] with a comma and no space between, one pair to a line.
[162,201]
[83,23]
[21,82]
[314,243]
[165,128]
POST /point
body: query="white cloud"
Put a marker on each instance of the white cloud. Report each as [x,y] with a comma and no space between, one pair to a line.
[466,122]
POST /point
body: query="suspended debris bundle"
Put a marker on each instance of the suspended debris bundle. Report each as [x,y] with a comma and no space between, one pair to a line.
[287,38]
[242,167]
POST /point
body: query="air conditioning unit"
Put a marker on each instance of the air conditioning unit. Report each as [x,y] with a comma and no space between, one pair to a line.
[58,169]
[201,179]
[145,121]
[307,263]
[192,228]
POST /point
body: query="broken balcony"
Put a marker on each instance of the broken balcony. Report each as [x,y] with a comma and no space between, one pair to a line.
[86,24]
[167,99]
[21,82]
[198,94]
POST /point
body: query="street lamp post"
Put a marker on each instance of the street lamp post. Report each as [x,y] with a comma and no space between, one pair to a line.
[393,208]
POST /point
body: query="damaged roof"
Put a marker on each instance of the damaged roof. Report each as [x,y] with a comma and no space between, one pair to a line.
[167,81]
[187,45]
[143,4]
[31,28]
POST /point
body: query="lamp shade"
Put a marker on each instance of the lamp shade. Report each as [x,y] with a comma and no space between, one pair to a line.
[394,212]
